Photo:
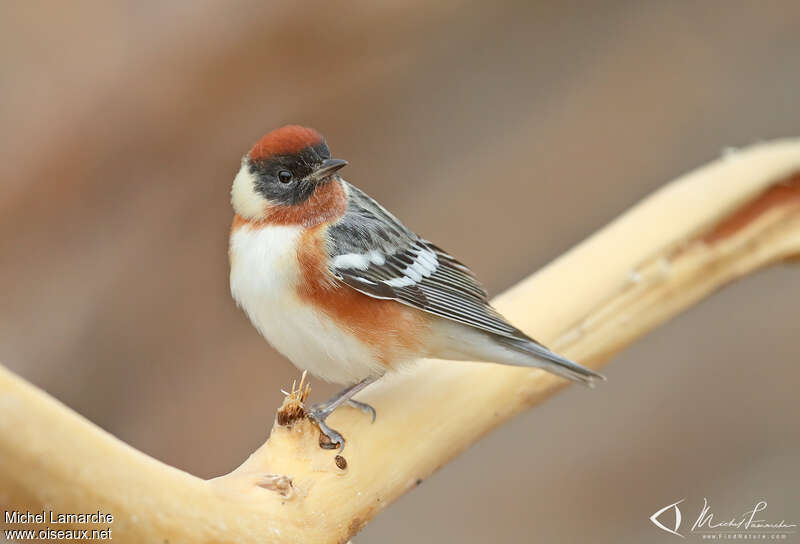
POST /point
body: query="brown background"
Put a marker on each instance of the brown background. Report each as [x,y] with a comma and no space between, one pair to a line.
[505,133]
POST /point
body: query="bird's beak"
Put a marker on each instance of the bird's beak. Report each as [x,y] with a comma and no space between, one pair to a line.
[326,169]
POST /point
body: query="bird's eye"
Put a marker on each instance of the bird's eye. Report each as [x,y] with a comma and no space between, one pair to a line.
[284,176]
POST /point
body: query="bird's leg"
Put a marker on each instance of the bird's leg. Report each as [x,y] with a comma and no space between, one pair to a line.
[320,412]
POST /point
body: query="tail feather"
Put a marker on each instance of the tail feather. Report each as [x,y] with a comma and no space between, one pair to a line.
[463,343]
[552,362]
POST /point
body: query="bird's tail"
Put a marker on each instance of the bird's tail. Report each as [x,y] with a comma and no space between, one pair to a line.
[518,349]
[541,357]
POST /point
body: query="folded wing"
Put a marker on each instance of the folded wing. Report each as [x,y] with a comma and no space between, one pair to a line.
[372,252]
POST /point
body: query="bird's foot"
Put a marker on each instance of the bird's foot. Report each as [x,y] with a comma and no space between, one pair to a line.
[364,407]
[329,438]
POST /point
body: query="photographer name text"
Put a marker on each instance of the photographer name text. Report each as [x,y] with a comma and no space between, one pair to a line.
[50,516]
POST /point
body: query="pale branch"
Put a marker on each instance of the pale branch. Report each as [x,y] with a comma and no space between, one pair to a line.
[716,224]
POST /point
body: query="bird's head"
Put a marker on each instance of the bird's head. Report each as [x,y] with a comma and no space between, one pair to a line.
[283,169]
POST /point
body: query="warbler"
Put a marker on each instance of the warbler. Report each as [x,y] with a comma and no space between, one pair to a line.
[344,290]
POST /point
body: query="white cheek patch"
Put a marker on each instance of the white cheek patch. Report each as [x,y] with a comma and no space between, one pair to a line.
[244,198]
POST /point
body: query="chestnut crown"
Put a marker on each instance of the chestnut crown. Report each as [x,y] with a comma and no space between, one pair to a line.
[283,168]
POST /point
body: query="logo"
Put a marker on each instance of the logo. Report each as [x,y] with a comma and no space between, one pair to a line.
[674,506]
[751,524]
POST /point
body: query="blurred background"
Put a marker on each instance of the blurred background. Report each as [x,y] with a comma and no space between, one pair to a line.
[505,132]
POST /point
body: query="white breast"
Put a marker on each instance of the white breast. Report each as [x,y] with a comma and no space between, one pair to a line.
[264,275]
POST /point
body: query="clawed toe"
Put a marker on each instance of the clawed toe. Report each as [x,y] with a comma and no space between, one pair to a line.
[320,412]
[334,438]
[364,407]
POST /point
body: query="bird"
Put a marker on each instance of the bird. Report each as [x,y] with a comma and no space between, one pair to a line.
[344,290]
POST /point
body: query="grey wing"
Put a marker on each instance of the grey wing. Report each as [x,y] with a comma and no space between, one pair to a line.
[372,252]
